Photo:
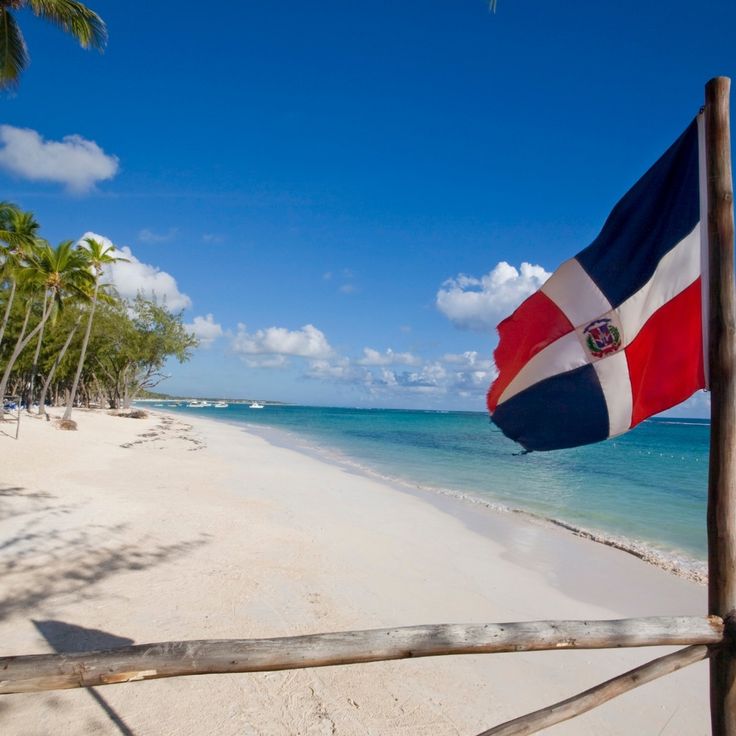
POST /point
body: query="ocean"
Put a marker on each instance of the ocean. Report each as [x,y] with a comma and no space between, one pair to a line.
[645,491]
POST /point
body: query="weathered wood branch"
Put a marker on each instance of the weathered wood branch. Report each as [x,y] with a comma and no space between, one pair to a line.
[582,703]
[35,673]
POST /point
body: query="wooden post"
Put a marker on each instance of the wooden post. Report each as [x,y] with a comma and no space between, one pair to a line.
[722,357]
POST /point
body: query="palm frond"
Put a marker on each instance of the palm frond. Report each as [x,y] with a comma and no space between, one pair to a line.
[17,231]
[99,254]
[108,294]
[62,271]
[13,52]
[74,18]
[7,210]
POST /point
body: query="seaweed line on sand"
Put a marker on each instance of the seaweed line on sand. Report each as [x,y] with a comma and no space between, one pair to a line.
[168,430]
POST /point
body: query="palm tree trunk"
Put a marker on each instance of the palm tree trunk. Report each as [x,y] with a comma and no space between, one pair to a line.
[73,392]
[57,361]
[24,326]
[21,344]
[7,309]
[100,392]
[34,366]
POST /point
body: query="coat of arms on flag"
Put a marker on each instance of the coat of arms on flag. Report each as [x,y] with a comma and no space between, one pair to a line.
[615,334]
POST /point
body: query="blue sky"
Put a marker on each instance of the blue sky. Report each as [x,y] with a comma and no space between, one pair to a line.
[312,175]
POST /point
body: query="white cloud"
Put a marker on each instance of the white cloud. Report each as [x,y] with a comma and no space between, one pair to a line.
[698,405]
[266,361]
[151,236]
[467,374]
[348,289]
[462,374]
[102,239]
[337,370]
[478,304]
[134,277]
[430,378]
[74,161]
[468,360]
[278,342]
[374,357]
[205,329]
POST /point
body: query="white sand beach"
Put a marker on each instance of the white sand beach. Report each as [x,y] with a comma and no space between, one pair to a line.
[173,527]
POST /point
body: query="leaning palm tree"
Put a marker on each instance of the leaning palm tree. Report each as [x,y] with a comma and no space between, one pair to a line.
[17,240]
[98,256]
[57,362]
[56,273]
[71,16]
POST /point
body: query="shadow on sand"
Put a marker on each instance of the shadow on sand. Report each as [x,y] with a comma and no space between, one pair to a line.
[42,556]
[64,637]
[48,556]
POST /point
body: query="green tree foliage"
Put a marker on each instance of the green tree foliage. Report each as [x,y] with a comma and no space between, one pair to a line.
[48,277]
[132,345]
[18,233]
[97,255]
[67,334]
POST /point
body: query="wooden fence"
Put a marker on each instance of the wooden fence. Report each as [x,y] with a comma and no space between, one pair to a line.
[40,672]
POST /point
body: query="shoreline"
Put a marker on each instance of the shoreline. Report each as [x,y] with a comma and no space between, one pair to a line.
[679,564]
[176,527]
[495,521]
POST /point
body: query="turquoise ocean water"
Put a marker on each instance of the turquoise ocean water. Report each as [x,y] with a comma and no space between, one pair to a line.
[645,490]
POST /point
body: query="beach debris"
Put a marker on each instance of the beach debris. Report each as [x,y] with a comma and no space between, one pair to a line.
[133,414]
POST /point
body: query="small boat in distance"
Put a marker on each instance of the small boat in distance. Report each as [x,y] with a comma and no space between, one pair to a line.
[256,405]
[196,404]
[220,405]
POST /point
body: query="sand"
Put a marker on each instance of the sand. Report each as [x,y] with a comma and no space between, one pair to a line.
[167,528]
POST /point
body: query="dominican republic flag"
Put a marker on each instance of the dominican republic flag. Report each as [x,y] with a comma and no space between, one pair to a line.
[616,333]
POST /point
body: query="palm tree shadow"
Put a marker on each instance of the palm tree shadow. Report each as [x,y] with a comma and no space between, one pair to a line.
[40,564]
[19,501]
[45,554]
[64,637]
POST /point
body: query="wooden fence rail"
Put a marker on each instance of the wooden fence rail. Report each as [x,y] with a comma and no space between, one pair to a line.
[595,696]
[35,673]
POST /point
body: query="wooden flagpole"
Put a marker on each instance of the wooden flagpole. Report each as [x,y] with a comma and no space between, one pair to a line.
[722,357]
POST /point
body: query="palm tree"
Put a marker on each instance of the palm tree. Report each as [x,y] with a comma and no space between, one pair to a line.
[17,239]
[71,16]
[57,361]
[59,272]
[98,255]
[34,365]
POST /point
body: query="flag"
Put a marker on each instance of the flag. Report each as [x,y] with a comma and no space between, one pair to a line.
[616,333]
